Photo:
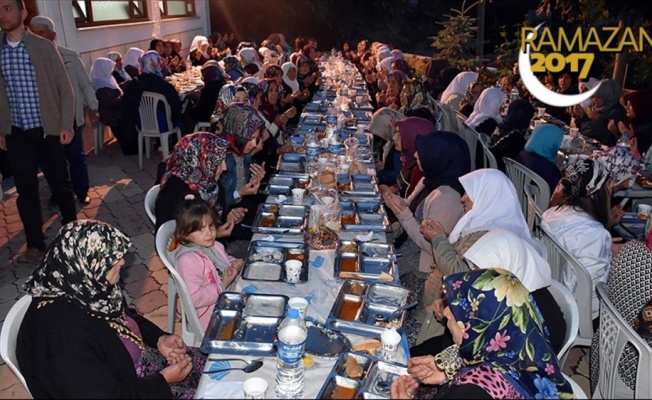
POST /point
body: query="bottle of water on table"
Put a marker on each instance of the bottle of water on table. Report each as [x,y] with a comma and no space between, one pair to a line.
[292,336]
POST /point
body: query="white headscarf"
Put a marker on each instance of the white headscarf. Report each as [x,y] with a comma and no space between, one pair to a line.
[590,84]
[114,56]
[398,54]
[197,43]
[102,74]
[487,106]
[385,63]
[495,205]
[293,84]
[132,57]
[250,57]
[459,84]
[383,53]
[500,248]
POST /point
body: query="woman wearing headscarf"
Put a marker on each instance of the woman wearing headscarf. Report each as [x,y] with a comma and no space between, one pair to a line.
[291,88]
[594,121]
[132,61]
[492,319]
[454,93]
[567,85]
[579,218]
[199,51]
[392,95]
[214,78]
[233,67]
[191,169]
[416,101]
[540,153]
[248,56]
[629,288]
[471,96]
[638,122]
[150,80]
[432,76]
[79,339]
[383,126]
[109,97]
[509,139]
[407,131]
[486,111]
[119,74]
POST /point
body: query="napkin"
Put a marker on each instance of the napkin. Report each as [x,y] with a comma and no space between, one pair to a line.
[269,238]
[223,390]
[281,199]
[365,238]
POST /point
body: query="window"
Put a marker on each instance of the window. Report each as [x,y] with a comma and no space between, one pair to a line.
[177,8]
[106,12]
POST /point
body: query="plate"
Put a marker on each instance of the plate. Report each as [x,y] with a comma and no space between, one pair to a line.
[324,342]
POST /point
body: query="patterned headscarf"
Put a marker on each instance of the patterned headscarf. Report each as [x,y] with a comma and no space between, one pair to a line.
[417,96]
[224,99]
[75,268]
[383,123]
[232,62]
[212,71]
[621,165]
[504,336]
[240,123]
[272,70]
[409,129]
[194,160]
[582,177]
[115,56]
[268,109]
[151,63]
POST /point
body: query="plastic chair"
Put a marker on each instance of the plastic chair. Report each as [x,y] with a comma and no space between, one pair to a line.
[532,210]
[615,334]
[149,125]
[150,200]
[191,329]
[202,127]
[566,302]
[471,138]
[522,177]
[578,393]
[9,335]
[98,137]
[559,259]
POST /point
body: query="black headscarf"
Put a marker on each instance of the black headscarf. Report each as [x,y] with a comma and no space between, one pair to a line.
[519,115]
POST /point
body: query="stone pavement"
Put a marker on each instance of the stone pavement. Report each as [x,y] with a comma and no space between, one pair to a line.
[118,188]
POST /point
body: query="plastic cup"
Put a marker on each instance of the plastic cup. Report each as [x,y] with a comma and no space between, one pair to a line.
[344,168]
[293,271]
[299,303]
[319,297]
[541,111]
[644,211]
[255,388]
[389,341]
[297,195]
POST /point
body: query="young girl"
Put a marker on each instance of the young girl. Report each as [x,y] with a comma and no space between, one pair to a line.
[201,261]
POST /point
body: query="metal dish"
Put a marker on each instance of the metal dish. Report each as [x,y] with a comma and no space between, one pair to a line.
[324,342]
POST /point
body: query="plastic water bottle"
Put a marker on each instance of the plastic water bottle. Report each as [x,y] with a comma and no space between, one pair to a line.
[312,148]
[513,94]
[623,142]
[292,336]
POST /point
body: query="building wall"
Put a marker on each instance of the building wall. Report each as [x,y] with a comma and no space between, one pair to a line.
[94,42]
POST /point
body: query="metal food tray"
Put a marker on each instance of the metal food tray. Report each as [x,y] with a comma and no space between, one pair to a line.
[283,184]
[376,298]
[357,185]
[244,324]
[364,216]
[285,218]
[368,261]
[311,119]
[291,163]
[375,382]
[270,257]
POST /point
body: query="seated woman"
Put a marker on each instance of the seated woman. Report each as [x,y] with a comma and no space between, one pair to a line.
[297,97]
[471,96]
[629,288]
[383,126]
[456,89]
[214,78]
[540,153]
[487,360]
[594,121]
[307,78]
[200,259]
[199,51]
[407,131]
[79,339]
[109,97]
[509,139]
[119,74]
[416,101]
[233,68]
[567,85]
[638,122]
[486,111]
[132,61]
[442,157]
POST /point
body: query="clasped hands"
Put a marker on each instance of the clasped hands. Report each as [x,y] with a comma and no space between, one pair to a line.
[422,370]
[430,228]
[175,352]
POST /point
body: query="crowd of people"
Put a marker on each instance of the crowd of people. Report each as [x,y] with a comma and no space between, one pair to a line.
[469,256]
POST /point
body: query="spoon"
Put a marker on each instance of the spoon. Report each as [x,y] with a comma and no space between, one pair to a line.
[396,314]
[254,366]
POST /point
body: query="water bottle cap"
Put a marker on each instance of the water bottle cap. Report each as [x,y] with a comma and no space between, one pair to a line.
[293,313]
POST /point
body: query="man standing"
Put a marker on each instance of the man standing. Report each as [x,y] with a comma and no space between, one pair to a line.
[84,100]
[37,109]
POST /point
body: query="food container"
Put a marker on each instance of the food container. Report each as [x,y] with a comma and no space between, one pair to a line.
[266,259]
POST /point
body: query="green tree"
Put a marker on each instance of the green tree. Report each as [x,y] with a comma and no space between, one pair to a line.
[457,40]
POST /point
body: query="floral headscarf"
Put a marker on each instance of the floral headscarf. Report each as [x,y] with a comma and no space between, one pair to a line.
[151,63]
[232,62]
[621,165]
[582,177]
[224,99]
[504,336]
[75,268]
[272,70]
[409,129]
[383,123]
[417,96]
[241,121]
[194,160]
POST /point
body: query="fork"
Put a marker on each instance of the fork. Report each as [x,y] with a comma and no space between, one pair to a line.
[235,359]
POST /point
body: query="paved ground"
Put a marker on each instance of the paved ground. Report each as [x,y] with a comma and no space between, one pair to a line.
[117,193]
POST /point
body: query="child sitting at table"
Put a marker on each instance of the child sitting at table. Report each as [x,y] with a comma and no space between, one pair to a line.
[202,261]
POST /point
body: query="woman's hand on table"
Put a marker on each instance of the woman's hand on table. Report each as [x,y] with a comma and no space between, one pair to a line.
[403,387]
[425,370]
[172,348]
[175,373]
[394,202]
[430,228]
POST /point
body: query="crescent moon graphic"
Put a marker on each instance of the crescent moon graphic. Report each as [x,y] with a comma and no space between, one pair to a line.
[538,90]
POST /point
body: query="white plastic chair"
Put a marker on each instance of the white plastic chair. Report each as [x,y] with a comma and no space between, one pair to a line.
[150,201]
[202,127]
[473,140]
[522,177]
[9,335]
[560,259]
[98,137]
[568,306]
[191,329]
[578,393]
[149,126]
[615,334]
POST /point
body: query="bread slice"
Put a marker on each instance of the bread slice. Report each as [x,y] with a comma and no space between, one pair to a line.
[353,368]
[367,345]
